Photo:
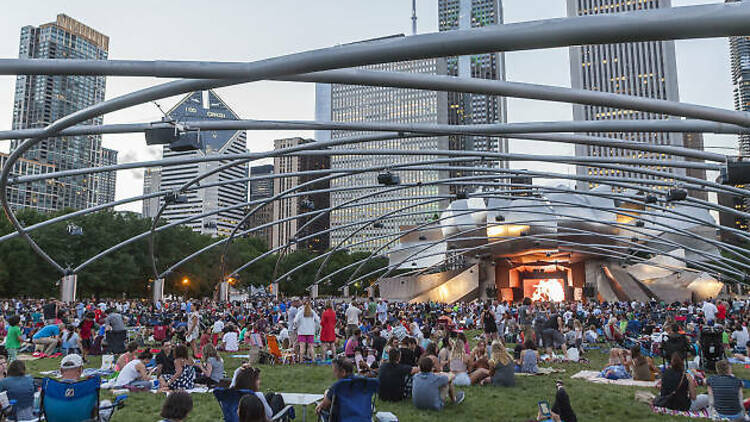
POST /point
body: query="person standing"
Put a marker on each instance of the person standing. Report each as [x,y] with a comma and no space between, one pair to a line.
[116,334]
[193,331]
[382,312]
[352,318]
[328,331]
[13,338]
[307,322]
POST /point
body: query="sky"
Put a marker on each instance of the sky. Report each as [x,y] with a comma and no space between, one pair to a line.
[242,30]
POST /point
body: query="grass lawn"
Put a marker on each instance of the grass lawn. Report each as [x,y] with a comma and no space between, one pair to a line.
[591,402]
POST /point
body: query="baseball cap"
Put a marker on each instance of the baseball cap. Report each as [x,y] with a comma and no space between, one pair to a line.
[71,361]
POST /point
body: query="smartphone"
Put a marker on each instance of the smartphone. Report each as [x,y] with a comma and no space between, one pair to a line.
[544,409]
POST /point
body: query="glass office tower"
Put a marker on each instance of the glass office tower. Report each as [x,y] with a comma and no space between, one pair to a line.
[42,99]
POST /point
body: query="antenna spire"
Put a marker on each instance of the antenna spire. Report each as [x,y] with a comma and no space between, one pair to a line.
[414,17]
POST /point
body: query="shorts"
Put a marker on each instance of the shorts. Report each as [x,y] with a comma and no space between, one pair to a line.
[86,343]
[305,339]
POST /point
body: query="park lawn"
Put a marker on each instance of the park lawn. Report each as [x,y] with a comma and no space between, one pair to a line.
[591,402]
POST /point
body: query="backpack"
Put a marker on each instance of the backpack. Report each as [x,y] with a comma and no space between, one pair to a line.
[276,402]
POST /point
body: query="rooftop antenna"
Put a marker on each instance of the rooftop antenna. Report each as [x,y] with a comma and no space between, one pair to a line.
[414,17]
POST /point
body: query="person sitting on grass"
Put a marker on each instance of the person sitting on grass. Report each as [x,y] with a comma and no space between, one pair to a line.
[430,391]
[678,388]
[20,387]
[725,393]
[176,407]
[251,409]
[502,367]
[212,367]
[459,366]
[642,368]
[165,360]
[230,342]
[392,377]
[184,375]
[343,369]
[529,358]
[129,355]
[134,373]
[561,410]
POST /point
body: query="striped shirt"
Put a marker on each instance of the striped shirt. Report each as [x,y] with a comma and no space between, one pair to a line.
[726,394]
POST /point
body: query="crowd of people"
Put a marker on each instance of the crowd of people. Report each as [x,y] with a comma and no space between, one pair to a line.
[418,352]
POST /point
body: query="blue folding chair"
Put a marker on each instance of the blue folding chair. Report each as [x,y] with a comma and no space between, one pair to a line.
[75,402]
[229,401]
[353,400]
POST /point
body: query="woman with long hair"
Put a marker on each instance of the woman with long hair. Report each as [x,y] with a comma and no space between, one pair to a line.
[212,367]
[678,388]
[502,367]
[459,365]
[488,323]
[307,323]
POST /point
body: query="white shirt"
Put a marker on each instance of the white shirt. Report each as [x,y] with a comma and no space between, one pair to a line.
[352,315]
[231,341]
[218,326]
[741,337]
[710,310]
[128,374]
[306,326]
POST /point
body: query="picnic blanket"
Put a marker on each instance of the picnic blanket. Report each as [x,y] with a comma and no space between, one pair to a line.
[700,414]
[593,376]
[738,361]
[199,389]
[543,371]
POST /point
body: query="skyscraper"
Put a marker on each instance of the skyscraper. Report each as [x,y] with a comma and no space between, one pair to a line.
[646,69]
[42,99]
[261,189]
[739,55]
[695,141]
[206,105]
[467,109]
[151,184]
[38,195]
[351,103]
[284,232]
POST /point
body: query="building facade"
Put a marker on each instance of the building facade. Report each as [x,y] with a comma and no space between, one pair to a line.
[362,104]
[287,228]
[261,189]
[207,105]
[466,109]
[739,56]
[42,99]
[695,141]
[151,184]
[645,69]
[39,195]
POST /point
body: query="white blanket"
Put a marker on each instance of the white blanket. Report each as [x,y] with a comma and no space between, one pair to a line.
[593,376]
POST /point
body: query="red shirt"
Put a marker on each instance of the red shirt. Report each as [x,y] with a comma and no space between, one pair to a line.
[722,314]
[86,326]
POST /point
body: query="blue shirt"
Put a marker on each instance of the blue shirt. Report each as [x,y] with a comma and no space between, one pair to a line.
[48,331]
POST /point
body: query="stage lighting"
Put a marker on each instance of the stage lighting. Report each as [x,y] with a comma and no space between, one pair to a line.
[462,195]
[676,195]
[736,173]
[161,135]
[389,179]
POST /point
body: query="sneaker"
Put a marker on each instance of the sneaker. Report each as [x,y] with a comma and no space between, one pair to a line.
[460,396]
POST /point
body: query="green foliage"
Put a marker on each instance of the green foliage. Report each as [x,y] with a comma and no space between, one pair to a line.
[127,271]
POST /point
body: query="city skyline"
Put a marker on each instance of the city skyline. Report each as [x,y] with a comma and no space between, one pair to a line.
[702,64]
